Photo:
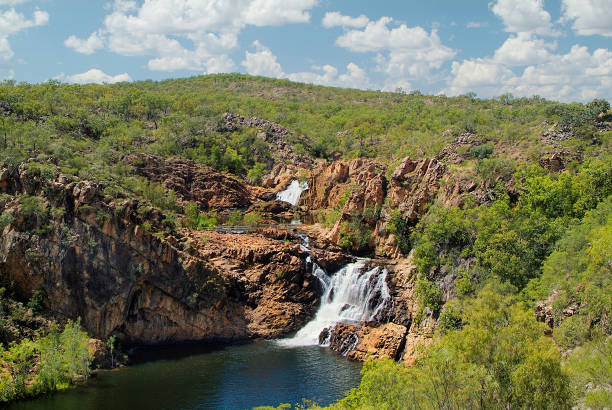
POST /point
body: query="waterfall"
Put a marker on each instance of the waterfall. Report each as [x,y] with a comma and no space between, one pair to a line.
[350,295]
[293,192]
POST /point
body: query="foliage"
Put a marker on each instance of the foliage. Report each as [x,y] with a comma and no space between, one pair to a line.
[591,366]
[498,359]
[234,219]
[482,151]
[579,272]
[6,218]
[34,210]
[400,228]
[49,363]
[251,219]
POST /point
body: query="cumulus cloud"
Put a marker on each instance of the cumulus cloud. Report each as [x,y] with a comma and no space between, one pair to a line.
[335,19]
[477,24]
[577,75]
[12,2]
[97,76]
[12,22]
[403,52]
[262,62]
[160,28]
[88,46]
[524,16]
[523,49]
[354,77]
[589,17]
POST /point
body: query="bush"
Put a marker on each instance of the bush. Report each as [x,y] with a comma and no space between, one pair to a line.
[428,294]
[235,218]
[34,210]
[252,219]
[482,151]
[254,175]
[6,218]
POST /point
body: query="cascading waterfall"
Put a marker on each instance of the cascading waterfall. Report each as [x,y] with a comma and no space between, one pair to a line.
[350,295]
[293,192]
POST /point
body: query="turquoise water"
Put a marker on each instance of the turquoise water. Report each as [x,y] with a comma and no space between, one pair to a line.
[191,377]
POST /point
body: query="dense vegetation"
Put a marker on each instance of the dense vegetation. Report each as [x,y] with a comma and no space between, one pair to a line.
[539,236]
[553,243]
[49,361]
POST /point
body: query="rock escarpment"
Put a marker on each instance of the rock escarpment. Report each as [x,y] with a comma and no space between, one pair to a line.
[197,183]
[124,272]
[124,269]
[273,134]
[363,195]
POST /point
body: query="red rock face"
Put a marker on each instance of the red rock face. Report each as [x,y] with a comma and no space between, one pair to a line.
[412,186]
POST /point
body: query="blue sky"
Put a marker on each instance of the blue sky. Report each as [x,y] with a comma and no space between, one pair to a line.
[559,49]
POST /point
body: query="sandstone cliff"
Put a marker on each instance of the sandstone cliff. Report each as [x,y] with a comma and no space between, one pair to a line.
[125,272]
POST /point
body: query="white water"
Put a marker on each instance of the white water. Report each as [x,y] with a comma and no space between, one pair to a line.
[350,295]
[293,192]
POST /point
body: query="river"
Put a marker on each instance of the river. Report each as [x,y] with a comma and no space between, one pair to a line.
[197,377]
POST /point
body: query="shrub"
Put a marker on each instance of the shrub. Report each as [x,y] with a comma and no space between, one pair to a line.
[235,218]
[252,219]
[429,294]
[482,151]
[254,175]
[34,210]
[6,218]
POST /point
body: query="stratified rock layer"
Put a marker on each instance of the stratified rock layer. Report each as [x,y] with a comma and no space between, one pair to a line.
[103,262]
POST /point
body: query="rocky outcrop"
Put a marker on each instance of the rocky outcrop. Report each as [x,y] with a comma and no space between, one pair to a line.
[553,162]
[366,342]
[458,150]
[280,139]
[126,273]
[197,183]
[413,185]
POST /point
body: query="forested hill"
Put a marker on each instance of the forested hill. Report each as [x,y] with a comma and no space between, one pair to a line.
[492,216]
[88,127]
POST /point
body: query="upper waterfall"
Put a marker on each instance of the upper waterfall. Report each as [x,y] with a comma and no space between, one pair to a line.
[293,192]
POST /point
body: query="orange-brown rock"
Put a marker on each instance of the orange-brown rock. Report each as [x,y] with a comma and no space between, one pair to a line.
[367,342]
[197,183]
[413,185]
[554,162]
[125,272]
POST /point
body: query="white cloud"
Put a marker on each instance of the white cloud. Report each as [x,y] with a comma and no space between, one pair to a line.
[402,52]
[590,17]
[335,19]
[89,46]
[488,78]
[477,24]
[262,62]
[12,22]
[354,77]
[97,76]
[575,76]
[523,49]
[524,16]
[162,28]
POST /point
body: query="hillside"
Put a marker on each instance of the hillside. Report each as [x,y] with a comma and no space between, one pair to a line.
[119,206]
